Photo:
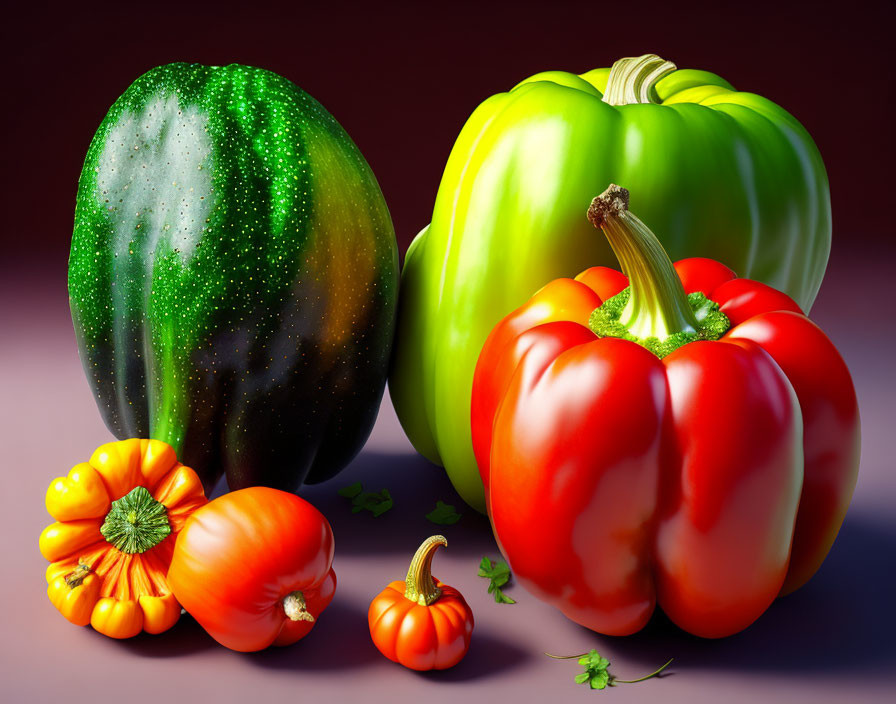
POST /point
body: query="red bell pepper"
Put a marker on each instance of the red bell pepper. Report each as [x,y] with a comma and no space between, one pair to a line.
[675,436]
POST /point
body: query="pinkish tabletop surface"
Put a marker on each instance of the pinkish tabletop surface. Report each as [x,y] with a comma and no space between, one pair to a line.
[833,640]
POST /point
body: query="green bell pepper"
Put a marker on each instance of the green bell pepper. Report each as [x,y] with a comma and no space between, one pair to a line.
[718,173]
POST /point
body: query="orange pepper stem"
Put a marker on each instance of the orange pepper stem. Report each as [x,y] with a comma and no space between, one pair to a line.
[294,606]
[75,578]
[419,584]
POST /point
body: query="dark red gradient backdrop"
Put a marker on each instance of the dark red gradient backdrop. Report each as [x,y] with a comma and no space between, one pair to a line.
[403,79]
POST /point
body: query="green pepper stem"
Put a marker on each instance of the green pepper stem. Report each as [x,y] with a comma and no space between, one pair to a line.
[419,584]
[658,306]
[632,80]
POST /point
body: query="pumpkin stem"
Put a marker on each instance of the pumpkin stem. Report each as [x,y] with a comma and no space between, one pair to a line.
[654,310]
[419,584]
[632,80]
[294,606]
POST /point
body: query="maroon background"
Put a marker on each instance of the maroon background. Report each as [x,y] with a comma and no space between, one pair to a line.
[402,81]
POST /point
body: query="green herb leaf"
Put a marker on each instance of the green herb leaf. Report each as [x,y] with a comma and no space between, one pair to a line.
[351,491]
[593,660]
[599,680]
[375,502]
[597,673]
[381,503]
[443,514]
[498,575]
[502,598]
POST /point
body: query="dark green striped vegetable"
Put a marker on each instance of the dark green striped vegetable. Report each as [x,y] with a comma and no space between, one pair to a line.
[233,276]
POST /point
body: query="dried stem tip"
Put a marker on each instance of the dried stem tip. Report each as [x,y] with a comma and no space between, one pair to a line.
[613,201]
[295,608]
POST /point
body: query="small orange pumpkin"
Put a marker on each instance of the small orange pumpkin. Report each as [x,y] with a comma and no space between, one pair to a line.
[117,519]
[421,623]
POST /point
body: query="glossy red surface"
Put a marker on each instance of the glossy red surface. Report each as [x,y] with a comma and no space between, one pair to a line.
[831,431]
[617,480]
[731,488]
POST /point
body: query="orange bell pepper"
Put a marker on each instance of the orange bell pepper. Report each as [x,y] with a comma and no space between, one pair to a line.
[117,519]
[255,568]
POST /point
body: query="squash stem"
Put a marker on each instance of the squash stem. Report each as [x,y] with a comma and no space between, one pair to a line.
[77,576]
[419,584]
[136,522]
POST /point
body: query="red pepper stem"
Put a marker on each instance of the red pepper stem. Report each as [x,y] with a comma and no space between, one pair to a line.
[658,306]
[419,586]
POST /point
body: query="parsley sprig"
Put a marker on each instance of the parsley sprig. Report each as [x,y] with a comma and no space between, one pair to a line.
[377,502]
[443,514]
[597,673]
[498,575]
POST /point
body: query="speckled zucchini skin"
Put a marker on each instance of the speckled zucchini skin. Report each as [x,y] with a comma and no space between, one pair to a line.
[233,276]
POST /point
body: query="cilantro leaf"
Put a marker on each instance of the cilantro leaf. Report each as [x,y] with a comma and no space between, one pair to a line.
[375,502]
[599,680]
[351,491]
[502,598]
[597,673]
[498,575]
[382,502]
[443,514]
[593,660]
